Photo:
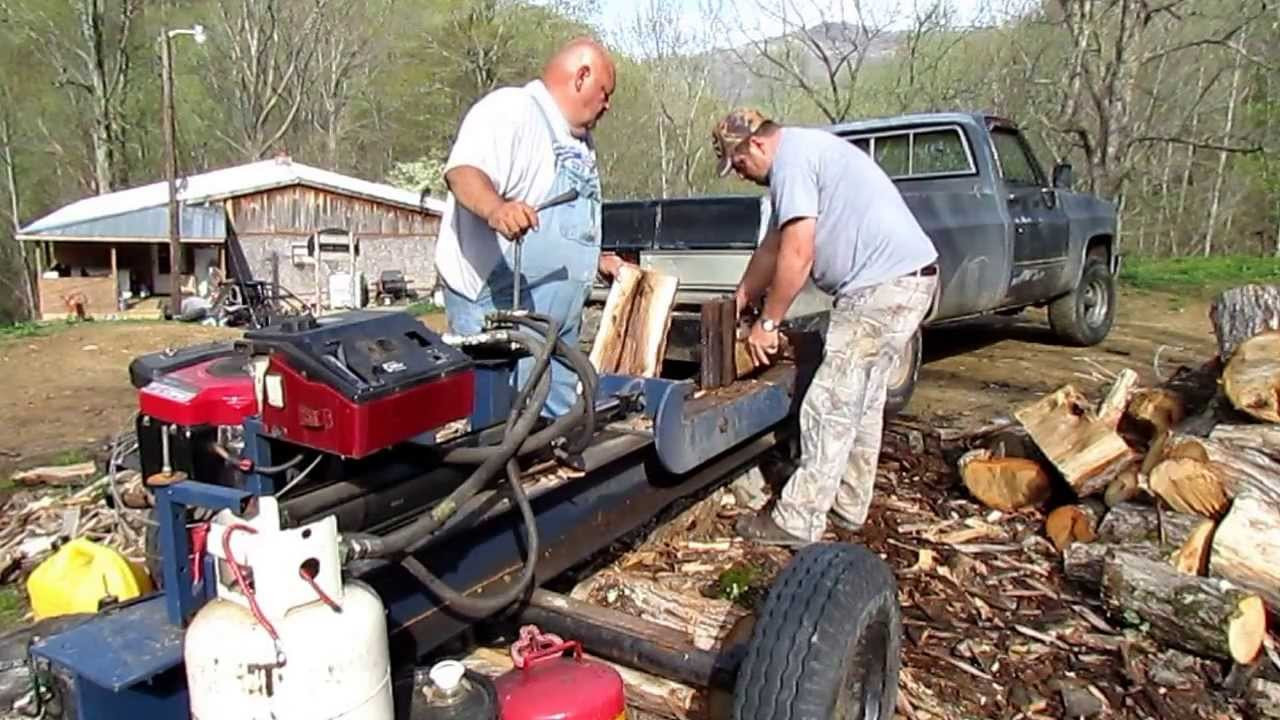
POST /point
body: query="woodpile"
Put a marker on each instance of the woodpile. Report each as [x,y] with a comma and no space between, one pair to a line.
[36,521]
[1165,501]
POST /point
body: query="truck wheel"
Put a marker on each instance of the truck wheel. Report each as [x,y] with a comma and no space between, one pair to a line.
[1084,315]
[827,643]
[902,381]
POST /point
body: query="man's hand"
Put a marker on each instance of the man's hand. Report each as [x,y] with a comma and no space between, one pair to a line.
[762,345]
[610,264]
[513,219]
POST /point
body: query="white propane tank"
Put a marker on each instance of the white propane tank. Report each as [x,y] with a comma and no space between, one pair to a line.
[321,664]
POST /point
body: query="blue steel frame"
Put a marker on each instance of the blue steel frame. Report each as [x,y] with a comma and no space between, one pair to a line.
[127,662]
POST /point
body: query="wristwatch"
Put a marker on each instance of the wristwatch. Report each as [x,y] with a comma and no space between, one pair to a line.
[768,325]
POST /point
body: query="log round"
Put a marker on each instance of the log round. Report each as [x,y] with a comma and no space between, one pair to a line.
[1246,547]
[1004,483]
[1252,377]
[1205,616]
[1242,312]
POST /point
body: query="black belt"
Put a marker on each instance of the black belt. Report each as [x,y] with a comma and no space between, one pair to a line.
[926,271]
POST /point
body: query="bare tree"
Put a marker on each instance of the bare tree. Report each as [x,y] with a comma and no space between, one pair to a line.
[1114,44]
[819,52]
[679,73]
[15,262]
[922,82]
[344,52]
[91,60]
[1227,135]
[266,50]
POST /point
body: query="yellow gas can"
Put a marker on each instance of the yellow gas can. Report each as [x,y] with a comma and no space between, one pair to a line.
[77,577]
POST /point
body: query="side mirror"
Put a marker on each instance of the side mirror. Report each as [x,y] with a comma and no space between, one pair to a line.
[1062,176]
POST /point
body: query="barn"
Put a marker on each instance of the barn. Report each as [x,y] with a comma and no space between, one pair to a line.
[324,236]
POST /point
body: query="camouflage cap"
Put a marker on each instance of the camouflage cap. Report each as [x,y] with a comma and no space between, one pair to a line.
[733,129]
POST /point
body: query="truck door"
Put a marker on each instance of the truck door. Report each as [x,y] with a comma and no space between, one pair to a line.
[1040,231]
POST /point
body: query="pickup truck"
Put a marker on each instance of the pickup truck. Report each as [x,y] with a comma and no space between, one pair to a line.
[1008,236]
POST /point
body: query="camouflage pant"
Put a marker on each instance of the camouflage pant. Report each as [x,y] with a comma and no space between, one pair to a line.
[842,416]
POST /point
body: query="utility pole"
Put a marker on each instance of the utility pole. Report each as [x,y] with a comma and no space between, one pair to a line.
[171,161]
[171,169]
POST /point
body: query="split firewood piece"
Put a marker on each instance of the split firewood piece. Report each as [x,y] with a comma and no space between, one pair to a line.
[1190,486]
[1246,546]
[1073,523]
[59,475]
[1193,557]
[1157,408]
[1123,489]
[744,365]
[632,338]
[1242,312]
[1262,438]
[1132,522]
[1252,377]
[1205,616]
[1081,443]
[1004,483]
[1199,475]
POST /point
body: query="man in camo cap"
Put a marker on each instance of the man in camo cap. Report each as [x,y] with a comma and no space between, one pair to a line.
[836,218]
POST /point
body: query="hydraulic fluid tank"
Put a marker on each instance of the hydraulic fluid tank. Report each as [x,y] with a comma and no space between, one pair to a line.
[551,686]
[308,646]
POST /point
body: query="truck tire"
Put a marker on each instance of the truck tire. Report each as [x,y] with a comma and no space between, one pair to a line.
[827,643]
[902,381]
[1084,315]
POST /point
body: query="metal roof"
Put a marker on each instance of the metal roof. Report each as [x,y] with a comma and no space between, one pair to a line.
[105,215]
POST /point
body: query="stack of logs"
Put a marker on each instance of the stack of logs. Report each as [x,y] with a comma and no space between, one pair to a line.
[1166,499]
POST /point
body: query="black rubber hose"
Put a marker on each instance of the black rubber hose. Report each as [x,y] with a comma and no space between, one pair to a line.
[409,537]
[481,607]
[581,365]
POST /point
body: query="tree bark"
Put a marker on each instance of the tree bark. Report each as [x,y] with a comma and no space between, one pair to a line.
[706,622]
[1246,547]
[11,179]
[1083,562]
[1242,312]
[1134,523]
[1200,615]
[1264,439]
[1252,377]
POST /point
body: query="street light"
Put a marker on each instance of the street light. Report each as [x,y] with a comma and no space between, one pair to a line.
[171,151]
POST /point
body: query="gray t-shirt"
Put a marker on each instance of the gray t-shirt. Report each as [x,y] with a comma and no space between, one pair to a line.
[865,233]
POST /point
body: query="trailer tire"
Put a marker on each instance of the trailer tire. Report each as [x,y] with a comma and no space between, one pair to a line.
[827,642]
[902,381]
[1083,317]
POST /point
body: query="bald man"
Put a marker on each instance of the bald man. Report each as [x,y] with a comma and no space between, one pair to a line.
[517,147]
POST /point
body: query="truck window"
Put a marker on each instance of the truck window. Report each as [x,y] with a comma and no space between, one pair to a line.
[1017,167]
[893,153]
[939,151]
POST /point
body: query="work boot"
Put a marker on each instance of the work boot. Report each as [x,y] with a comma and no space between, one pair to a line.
[760,528]
[838,521]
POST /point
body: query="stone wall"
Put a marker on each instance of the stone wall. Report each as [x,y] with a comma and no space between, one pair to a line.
[414,256]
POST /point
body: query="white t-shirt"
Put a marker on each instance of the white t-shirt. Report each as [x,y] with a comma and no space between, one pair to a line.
[506,136]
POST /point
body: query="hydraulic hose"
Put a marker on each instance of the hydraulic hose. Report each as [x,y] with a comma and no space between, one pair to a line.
[480,607]
[412,536]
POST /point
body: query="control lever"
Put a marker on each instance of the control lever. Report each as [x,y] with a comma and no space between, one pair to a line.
[564,197]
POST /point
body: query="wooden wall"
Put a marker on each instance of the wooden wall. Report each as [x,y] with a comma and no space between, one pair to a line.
[99,293]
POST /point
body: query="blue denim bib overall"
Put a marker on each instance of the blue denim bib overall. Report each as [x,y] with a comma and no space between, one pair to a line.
[558,266]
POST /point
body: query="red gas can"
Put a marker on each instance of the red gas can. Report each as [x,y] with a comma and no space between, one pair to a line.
[547,685]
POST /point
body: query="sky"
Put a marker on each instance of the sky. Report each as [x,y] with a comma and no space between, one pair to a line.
[760,17]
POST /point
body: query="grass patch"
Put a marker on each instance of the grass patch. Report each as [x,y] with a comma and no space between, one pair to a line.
[73,456]
[1198,276]
[423,307]
[13,607]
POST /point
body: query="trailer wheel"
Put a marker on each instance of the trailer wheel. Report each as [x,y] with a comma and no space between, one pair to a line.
[902,381]
[827,642]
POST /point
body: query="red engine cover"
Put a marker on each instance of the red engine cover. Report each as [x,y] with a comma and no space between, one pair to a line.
[213,392]
[316,415]
[561,688]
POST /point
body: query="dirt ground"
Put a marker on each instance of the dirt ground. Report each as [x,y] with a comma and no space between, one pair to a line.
[68,391]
